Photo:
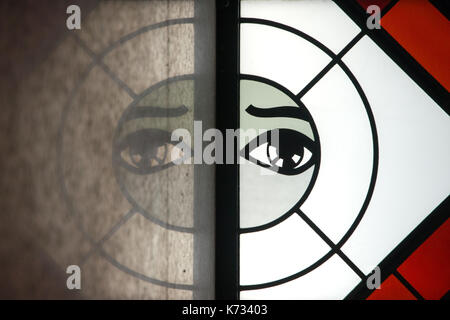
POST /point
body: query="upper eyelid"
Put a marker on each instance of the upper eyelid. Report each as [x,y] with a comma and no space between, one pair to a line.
[280,111]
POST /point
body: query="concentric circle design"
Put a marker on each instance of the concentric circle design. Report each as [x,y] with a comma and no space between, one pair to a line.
[336,60]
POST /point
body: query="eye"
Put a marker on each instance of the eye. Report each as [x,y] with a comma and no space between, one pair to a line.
[146,151]
[285,151]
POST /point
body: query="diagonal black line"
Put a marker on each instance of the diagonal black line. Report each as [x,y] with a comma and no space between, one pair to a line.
[99,60]
[350,264]
[330,65]
[383,12]
[442,6]
[388,7]
[332,245]
[408,285]
[408,245]
[108,235]
[398,54]
[116,79]
[446,296]
[316,229]
[316,79]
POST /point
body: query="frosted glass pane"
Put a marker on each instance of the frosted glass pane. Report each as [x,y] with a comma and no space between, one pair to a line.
[71,195]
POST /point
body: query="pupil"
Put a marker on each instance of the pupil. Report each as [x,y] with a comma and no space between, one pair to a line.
[290,149]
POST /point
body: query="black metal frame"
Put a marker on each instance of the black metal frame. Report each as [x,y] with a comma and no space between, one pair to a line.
[227,175]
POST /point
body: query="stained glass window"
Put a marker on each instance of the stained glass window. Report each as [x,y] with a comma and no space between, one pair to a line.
[362,156]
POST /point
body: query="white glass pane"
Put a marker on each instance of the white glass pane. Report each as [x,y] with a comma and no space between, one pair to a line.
[414,172]
[332,280]
[346,154]
[280,56]
[412,156]
[319,19]
[278,252]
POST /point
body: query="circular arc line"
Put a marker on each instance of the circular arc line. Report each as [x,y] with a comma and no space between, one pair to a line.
[316,166]
[116,167]
[141,276]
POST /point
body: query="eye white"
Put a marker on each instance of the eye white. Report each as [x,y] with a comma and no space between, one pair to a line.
[306,156]
[273,153]
[279,163]
[260,153]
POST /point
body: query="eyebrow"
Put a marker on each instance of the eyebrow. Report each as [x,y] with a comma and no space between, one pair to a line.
[156,112]
[281,111]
